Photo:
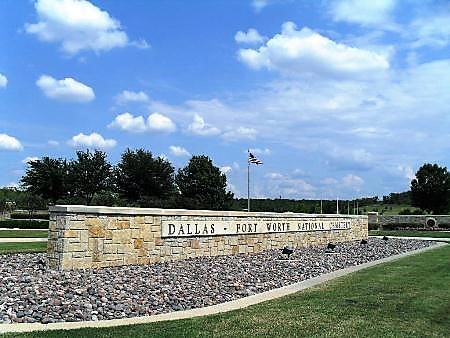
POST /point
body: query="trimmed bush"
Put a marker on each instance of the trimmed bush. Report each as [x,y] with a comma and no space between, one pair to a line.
[17,215]
[24,224]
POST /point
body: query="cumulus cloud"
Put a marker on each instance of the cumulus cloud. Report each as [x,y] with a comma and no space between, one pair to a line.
[178,151]
[3,81]
[226,169]
[364,12]
[251,37]
[128,122]
[159,122]
[288,187]
[200,127]
[295,52]
[28,159]
[93,140]
[67,89]
[240,133]
[10,142]
[78,25]
[130,96]
[138,124]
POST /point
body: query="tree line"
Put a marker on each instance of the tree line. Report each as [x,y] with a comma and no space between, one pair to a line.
[142,180]
[138,179]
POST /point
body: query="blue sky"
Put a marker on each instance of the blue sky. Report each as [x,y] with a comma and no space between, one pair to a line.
[337,98]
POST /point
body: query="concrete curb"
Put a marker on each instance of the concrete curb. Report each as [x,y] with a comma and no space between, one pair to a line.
[209,310]
[19,229]
[435,239]
[22,240]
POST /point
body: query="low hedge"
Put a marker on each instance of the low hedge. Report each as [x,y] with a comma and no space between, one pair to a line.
[24,224]
[18,215]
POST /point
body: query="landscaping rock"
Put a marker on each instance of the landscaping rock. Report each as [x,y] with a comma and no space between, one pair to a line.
[29,294]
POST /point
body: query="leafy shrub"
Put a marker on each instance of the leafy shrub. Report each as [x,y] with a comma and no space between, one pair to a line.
[24,224]
[406,211]
[17,215]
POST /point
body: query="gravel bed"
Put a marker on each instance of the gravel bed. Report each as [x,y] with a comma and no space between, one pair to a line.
[29,292]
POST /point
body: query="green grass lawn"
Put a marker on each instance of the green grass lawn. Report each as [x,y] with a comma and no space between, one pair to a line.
[23,233]
[406,298]
[6,248]
[410,233]
[386,209]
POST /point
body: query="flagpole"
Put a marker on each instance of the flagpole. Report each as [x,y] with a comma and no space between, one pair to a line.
[248,181]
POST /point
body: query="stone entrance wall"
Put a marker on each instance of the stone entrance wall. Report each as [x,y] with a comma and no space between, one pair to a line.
[92,237]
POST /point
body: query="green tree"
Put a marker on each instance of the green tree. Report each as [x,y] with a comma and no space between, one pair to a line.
[89,174]
[430,190]
[203,186]
[46,178]
[142,178]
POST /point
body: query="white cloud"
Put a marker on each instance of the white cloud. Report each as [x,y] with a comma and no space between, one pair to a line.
[67,89]
[130,96]
[352,181]
[258,151]
[274,176]
[407,172]
[3,81]
[29,159]
[53,143]
[200,127]
[178,151]
[226,169]
[93,140]
[138,124]
[296,52]
[159,122]
[13,185]
[128,122]
[10,142]
[251,37]
[364,12]
[288,187]
[433,30]
[329,181]
[258,5]
[240,133]
[78,25]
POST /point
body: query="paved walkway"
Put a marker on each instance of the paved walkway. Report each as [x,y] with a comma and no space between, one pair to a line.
[18,229]
[209,310]
[436,239]
[22,240]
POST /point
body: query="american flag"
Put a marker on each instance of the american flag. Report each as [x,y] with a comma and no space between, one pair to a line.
[253,159]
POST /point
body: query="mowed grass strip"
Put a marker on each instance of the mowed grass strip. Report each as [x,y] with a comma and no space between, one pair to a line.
[8,248]
[410,233]
[23,233]
[406,298]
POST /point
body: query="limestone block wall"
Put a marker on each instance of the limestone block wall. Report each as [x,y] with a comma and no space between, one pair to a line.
[417,221]
[92,237]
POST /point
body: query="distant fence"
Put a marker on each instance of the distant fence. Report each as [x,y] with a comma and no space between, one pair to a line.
[408,221]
